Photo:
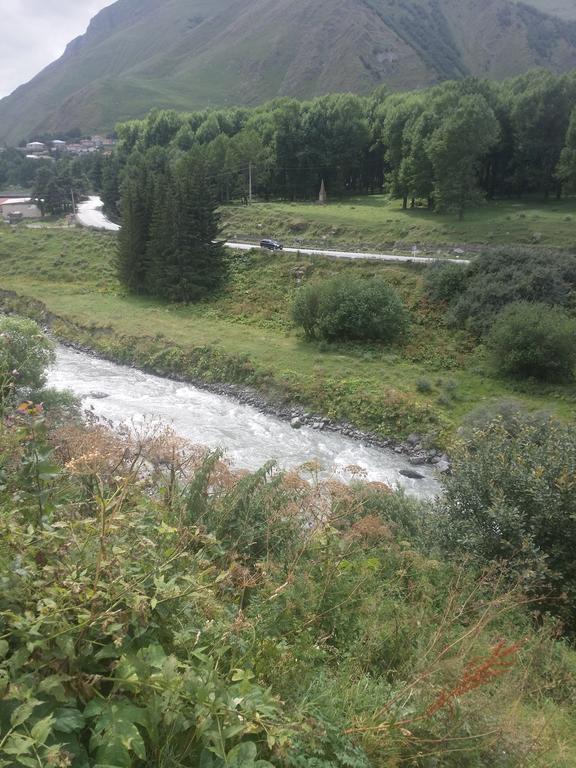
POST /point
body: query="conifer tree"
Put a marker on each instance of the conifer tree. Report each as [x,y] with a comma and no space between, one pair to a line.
[134,233]
[186,263]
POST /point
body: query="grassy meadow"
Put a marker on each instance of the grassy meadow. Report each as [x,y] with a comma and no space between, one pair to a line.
[245,335]
[377,222]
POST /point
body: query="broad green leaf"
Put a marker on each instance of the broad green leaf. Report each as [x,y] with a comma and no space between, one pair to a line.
[18,744]
[23,712]
[4,648]
[27,762]
[54,686]
[68,720]
[233,730]
[42,729]
[115,734]
[119,744]
[242,755]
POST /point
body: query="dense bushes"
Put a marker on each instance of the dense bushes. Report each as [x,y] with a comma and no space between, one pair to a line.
[494,280]
[511,497]
[24,354]
[533,340]
[160,609]
[342,310]
[444,282]
[144,633]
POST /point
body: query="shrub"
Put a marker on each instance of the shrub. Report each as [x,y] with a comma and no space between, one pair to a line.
[511,414]
[445,281]
[533,340]
[424,386]
[159,615]
[341,310]
[497,279]
[511,497]
[25,353]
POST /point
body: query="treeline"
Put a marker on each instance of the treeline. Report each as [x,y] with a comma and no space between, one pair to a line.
[447,146]
[52,182]
[17,170]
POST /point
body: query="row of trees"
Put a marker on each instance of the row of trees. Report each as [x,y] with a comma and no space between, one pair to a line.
[449,145]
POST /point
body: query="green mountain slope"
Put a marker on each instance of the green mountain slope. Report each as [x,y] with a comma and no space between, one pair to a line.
[139,54]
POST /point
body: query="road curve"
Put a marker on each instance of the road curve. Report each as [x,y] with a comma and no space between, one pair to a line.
[90,215]
[353,254]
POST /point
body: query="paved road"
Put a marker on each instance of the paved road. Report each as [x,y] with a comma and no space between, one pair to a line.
[353,255]
[90,214]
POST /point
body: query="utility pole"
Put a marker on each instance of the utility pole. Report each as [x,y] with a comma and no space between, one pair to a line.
[250,182]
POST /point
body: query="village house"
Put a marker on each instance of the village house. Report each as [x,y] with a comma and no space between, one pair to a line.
[14,209]
[36,147]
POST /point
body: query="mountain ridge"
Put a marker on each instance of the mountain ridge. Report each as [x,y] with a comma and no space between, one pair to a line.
[187,54]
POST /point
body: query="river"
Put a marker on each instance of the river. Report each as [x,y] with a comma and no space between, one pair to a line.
[248,437]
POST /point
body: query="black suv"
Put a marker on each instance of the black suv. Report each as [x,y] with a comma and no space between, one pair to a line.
[271,245]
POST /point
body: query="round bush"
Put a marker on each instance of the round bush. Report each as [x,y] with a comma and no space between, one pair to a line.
[533,340]
[495,280]
[25,353]
[509,498]
[445,282]
[355,310]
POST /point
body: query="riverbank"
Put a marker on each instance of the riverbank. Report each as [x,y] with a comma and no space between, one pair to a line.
[244,337]
[131,354]
[249,437]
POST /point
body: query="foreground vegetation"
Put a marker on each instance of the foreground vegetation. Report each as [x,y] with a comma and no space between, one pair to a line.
[426,383]
[159,609]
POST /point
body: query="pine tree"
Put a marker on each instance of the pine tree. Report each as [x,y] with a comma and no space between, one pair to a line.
[134,233]
[160,241]
[191,265]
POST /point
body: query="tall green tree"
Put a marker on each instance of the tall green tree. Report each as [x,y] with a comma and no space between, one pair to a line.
[566,170]
[136,211]
[540,108]
[182,261]
[456,148]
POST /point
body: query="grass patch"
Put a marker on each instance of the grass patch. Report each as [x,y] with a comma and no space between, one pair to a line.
[377,222]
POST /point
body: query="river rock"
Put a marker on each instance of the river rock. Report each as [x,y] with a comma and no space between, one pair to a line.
[98,395]
[443,466]
[296,422]
[412,474]
[418,458]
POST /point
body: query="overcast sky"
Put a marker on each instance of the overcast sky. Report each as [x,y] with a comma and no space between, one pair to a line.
[33,33]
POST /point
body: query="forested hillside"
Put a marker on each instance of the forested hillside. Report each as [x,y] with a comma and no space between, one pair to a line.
[189,55]
[446,148]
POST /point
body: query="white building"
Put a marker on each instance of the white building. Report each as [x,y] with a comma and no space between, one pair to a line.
[35,147]
[10,207]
